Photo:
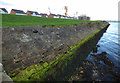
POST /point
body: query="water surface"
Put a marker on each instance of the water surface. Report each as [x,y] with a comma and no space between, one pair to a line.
[103,62]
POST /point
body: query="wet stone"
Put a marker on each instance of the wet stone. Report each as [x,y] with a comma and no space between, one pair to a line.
[95,50]
[98,45]
[35,31]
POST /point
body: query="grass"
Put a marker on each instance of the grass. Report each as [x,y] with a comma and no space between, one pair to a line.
[9,20]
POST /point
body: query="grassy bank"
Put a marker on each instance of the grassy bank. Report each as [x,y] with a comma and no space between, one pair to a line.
[20,20]
[63,66]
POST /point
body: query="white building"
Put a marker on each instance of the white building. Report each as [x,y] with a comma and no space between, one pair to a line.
[62,16]
[17,12]
[33,13]
[83,17]
[55,16]
[3,11]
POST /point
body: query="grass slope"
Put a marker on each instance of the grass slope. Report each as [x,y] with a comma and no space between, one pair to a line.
[20,20]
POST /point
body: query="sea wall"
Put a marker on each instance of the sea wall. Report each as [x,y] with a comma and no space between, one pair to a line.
[30,45]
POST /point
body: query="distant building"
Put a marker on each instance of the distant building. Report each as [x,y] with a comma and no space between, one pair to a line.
[60,16]
[17,12]
[83,18]
[3,11]
[43,15]
[66,17]
[71,17]
[63,16]
[53,16]
[33,13]
[88,18]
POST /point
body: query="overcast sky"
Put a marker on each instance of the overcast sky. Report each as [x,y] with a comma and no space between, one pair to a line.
[96,9]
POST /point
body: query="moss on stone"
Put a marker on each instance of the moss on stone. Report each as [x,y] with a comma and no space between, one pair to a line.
[56,68]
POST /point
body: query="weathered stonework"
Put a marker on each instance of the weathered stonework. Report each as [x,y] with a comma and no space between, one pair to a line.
[25,46]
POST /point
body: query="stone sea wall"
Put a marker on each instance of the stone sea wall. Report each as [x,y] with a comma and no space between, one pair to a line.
[26,46]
